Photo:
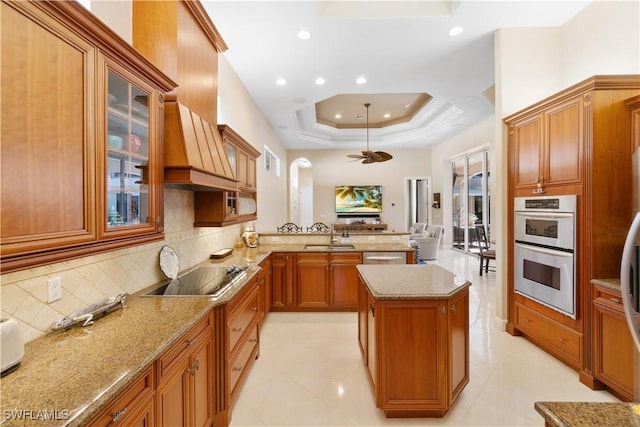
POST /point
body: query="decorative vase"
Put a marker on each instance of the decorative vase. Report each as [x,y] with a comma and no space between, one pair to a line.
[250,237]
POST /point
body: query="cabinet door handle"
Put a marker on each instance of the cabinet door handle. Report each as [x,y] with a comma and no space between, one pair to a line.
[236,329]
[118,414]
[254,308]
[253,340]
[453,309]
[616,300]
[373,311]
[444,310]
[237,368]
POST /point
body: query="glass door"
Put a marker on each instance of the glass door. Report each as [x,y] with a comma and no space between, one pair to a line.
[471,200]
[127,186]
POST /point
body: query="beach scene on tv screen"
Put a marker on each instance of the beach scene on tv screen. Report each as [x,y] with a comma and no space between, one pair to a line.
[358,198]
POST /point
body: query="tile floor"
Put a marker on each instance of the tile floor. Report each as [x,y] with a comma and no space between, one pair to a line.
[310,371]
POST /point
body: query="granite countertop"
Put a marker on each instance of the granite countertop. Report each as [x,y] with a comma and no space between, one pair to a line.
[358,247]
[410,281]
[613,284]
[589,414]
[72,374]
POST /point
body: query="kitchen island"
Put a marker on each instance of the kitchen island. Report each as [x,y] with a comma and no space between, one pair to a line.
[413,333]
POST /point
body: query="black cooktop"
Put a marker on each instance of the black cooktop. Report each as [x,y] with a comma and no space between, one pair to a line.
[203,281]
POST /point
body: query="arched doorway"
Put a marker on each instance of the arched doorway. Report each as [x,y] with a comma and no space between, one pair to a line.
[301,192]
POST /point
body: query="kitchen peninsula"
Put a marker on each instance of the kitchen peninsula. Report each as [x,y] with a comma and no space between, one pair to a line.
[413,332]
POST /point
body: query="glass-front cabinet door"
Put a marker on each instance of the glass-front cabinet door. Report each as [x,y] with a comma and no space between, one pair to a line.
[130,202]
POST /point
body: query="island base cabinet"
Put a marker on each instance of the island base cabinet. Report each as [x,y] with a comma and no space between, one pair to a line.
[416,352]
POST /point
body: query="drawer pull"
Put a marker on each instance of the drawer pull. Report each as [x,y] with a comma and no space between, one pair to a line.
[453,309]
[253,339]
[194,367]
[254,308]
[561,339]
[236,329]
[117,415]
[191,342]
[616,300]
[235,368]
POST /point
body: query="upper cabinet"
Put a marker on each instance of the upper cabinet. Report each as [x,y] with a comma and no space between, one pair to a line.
[81,136]
[547,145]
[244,156]
[220,208]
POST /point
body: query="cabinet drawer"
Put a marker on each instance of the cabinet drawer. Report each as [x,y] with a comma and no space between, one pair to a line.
[172,357]
[238,364]
[242,318]
[555,337]
[121,408]
[608,298]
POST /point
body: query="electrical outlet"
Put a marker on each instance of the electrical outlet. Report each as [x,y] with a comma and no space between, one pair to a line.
[55,288]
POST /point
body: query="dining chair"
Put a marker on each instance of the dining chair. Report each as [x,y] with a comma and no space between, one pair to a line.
[318,227]
[289,227]
[486,253]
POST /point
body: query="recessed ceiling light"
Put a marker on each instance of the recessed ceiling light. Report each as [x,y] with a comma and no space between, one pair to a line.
[387,115]
[281,82]
[304,35]
[338,116]
[361,80]
[456,31]
[319,81]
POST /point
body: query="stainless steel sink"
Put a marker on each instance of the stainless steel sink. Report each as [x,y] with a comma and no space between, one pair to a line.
[333,247]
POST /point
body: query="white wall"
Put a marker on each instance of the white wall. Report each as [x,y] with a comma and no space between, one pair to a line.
[332,167]
[237,109]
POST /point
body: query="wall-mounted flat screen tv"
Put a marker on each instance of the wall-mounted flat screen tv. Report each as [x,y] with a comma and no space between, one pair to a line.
[358,199]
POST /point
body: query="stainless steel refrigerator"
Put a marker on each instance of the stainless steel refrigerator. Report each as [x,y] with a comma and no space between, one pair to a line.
[630,272]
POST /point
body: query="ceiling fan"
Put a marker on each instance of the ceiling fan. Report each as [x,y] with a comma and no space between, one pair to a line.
[369,156]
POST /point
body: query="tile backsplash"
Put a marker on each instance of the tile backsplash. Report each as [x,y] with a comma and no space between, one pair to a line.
[85,281]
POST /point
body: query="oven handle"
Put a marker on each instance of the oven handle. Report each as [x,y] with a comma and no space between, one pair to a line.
[551,215]
[544,250]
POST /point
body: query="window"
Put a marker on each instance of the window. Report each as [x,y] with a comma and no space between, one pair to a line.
[271,162]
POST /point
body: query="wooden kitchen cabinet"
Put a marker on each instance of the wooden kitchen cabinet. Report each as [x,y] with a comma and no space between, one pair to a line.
[184,396]
[264,283]
[416,352]
[132,407]
[548,146]
[283,280]
[220,208]
[613,346]
[313,280]
[577,141]
[344,280]
[244,157]
[243,332]
[61,178]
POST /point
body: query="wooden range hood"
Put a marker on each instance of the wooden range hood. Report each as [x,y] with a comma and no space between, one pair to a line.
[195,157]
[179,37]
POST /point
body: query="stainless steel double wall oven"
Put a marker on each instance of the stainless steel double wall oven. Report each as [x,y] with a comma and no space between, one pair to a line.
[544,251]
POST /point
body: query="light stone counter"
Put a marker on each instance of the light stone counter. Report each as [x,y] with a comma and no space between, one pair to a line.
[72,374]
[589,414]
[411,281]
